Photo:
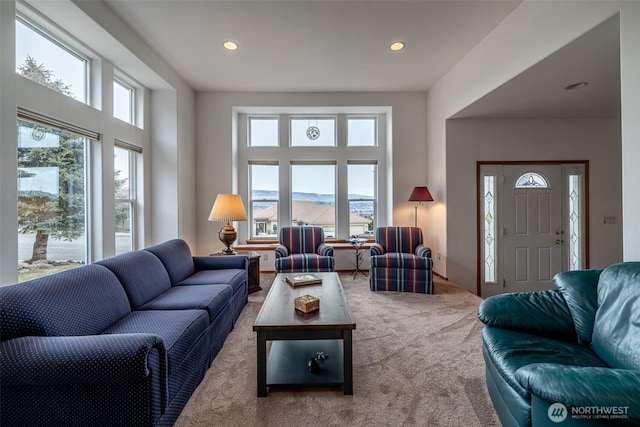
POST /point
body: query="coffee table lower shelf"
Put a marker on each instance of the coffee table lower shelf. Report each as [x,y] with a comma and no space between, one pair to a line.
[287,364]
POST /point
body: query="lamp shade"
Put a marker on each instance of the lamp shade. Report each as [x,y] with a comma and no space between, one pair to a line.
[227,208]
[420,194]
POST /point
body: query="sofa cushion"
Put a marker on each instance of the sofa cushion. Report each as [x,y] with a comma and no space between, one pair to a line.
[142,275]
[212,298]
[401,260]
[509,350]
[304,262]
[81,301]
[176,257]
[233,277]
[580,291]
[616,333]
[180,330]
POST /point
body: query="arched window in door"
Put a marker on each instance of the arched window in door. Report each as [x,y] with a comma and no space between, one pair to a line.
[532,180]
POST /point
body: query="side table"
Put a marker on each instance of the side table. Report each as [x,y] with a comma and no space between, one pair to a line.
[357,246]
[254,268]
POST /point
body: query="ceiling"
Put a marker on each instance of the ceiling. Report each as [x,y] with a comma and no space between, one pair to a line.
[312,45]
[539,91]
[339,45]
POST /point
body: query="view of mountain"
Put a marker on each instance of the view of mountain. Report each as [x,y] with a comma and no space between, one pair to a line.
[359,208]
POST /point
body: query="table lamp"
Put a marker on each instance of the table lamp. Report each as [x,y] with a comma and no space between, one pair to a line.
[228,208]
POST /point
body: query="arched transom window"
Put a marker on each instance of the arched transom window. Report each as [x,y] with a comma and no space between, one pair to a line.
[532,180]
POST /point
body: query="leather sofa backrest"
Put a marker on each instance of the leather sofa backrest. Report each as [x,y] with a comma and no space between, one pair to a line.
[616,332]
[176,257]
[141,274]
[580,291]
[82,301]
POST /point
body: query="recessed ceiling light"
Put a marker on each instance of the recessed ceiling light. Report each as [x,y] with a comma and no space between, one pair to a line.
[230,45]
[395,46]
[575,86]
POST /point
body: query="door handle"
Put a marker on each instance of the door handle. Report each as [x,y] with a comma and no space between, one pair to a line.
[559,241]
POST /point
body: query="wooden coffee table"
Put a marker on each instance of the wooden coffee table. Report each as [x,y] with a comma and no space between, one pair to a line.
[297,337]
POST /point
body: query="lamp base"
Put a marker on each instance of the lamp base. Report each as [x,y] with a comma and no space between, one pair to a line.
[227,236]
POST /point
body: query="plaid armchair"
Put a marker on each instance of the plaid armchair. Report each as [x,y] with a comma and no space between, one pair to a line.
[303,249]
[400,262]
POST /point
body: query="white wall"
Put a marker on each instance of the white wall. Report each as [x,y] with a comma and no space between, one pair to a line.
[215,130]
[532,32]
[594,140]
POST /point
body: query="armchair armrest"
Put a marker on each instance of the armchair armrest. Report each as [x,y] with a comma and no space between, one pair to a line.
[423,251]
[282,251]
[376,249]
[584,386]
[542,313]
[86,359]
[220,262]
[324,249]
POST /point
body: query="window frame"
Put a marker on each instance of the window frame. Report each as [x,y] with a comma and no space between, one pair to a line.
[60,42]
[88,138]
[118,80]
[134,152]
[341,154]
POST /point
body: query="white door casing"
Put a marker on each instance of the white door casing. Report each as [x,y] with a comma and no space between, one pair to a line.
[530,232]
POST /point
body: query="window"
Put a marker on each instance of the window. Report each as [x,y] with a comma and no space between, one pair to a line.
[264,200]
[313,131]
[263,131]
[124,162]
[47,61]
[313,196]
[330,183]
[532,180]
[52,200]
[489,255]
[575,244]
[123,101]
[361,131]
[361,181]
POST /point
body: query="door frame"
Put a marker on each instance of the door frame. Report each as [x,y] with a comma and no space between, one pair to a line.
[479,201]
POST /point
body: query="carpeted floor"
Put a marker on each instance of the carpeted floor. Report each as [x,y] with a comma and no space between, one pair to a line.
[417,362]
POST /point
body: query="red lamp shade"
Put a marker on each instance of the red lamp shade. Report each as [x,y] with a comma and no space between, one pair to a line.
[420,194]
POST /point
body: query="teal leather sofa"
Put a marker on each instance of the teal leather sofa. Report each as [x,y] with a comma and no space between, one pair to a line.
[568,356]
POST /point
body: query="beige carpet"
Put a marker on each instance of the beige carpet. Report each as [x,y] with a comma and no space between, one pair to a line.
[417,362]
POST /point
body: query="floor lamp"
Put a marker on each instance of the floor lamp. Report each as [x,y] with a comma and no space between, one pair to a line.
[419,194]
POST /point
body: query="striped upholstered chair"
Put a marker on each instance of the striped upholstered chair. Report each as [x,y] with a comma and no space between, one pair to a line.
[400,262]
[302,248]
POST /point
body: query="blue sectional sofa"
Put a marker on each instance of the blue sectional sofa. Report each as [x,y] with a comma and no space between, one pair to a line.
[123,342]
[568,356]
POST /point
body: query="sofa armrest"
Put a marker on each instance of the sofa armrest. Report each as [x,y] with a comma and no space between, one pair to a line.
[282,251]
[584,386]
[325,250]
[376,249]
[423,251]
[220,262]
[542,313]
[86,359]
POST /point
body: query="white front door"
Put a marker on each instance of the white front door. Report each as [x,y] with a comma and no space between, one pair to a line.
[532,235]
